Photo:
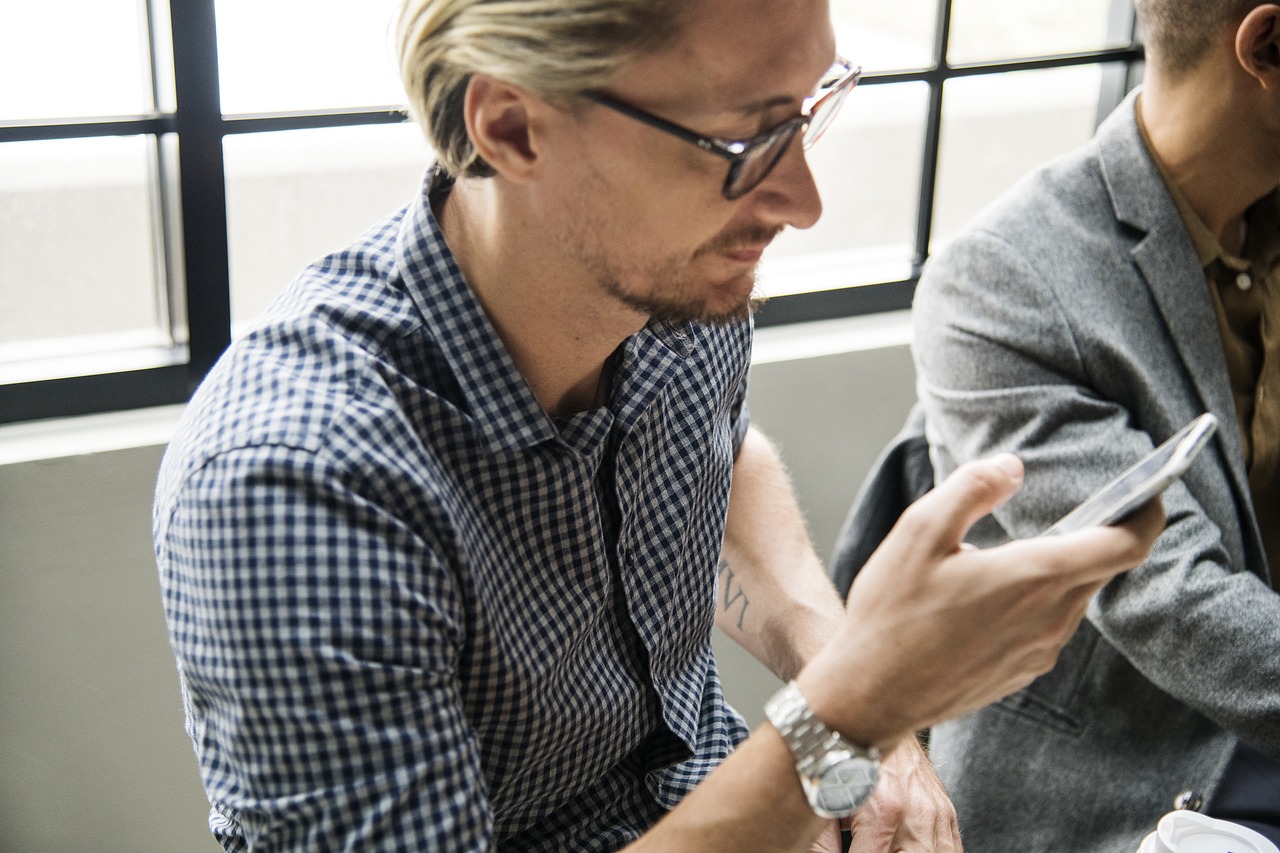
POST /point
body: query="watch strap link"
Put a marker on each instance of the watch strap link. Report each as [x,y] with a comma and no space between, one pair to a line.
[837,776]
[806,735]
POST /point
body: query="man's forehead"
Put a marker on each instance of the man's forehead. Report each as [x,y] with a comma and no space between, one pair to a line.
[736,52]
[761,30]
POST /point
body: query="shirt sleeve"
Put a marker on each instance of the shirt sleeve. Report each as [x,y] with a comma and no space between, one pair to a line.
[317,634]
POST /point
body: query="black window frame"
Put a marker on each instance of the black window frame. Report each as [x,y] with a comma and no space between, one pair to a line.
[191,196]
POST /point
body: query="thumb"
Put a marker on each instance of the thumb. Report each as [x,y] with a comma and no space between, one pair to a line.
[946,513]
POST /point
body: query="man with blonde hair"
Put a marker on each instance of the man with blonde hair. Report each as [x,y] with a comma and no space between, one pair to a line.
[439,537]
[1091,312]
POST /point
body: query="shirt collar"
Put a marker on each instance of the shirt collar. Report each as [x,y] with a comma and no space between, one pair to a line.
[497,395]
[1262,244]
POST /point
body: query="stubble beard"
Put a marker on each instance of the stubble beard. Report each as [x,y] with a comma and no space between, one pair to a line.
[666,301]
[664,289]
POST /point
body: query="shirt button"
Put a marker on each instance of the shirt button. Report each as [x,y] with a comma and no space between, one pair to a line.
[1188,801]
[1243,281]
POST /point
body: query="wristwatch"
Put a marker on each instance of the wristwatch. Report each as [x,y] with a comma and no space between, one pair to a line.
[837,776]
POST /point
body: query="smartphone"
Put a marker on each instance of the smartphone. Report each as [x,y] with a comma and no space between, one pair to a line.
[1148,478]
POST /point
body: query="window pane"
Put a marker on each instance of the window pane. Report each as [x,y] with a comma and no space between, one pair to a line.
[72,59]
[867,166]
[277,55]
[983,30]
[77,251]
[882,36]
[998,127]
[295,196]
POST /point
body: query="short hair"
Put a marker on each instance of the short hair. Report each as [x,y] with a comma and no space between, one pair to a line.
[554,48]
[1179,33]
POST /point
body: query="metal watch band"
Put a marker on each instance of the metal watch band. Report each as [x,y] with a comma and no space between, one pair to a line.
[808,737]
[837,776]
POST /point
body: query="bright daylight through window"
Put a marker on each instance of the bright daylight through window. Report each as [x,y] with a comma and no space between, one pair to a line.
[166,166]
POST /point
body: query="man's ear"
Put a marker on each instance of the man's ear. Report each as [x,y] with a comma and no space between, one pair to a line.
[499,121]
[1258,45]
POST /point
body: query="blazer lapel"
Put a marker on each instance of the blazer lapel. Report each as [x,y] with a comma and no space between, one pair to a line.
[1167,261]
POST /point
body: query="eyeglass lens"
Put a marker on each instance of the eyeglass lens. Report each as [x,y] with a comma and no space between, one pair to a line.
[761,159]
[823,112]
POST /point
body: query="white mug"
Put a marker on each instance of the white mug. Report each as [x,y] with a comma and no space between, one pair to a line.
[1192,832]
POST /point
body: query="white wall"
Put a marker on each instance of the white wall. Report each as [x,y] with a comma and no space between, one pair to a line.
[92,751]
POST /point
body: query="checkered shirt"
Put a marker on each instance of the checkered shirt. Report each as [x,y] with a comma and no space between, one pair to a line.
[413,612]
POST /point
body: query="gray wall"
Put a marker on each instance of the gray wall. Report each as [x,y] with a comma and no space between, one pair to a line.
[92,751]
[830,416]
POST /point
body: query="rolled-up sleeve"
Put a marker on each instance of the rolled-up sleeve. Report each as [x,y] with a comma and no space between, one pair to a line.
[317,636]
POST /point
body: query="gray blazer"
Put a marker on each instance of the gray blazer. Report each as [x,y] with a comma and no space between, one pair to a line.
[1072,325]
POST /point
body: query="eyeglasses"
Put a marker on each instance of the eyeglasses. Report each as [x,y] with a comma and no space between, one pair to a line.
[751,160]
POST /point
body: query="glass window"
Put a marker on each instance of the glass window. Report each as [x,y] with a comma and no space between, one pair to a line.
[94,249]
[996,128]
[78,255]
[73,59]
[290,55]
[983,30]
[867,166]
[294,196]
[882,36]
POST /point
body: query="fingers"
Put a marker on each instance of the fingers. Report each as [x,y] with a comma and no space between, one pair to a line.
[829,841]
[1147,523]
[1092,556]
[910,810]
[945,514]
[948,838]
[934,630]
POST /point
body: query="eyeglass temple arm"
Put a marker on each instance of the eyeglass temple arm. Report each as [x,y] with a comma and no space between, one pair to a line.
[729,149]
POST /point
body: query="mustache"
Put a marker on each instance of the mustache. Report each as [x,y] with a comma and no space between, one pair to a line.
[755,235]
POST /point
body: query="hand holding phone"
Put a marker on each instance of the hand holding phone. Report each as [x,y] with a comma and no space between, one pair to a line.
[1146,479]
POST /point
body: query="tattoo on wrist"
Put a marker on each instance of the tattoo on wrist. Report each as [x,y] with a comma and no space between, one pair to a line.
[733,598]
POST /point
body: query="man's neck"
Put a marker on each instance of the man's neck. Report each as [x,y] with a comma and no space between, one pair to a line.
[1200,131]
[559,328]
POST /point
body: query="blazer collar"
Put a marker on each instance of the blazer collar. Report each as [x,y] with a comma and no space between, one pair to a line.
[1167,260]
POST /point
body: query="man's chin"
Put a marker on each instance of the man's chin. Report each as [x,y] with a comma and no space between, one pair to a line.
[728,301]
[706,313]
[733,301]
[736,314]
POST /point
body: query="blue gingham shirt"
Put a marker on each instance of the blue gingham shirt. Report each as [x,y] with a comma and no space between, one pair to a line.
[413,612]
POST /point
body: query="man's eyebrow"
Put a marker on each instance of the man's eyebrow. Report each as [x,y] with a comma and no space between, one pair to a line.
[765,105]
[775,101]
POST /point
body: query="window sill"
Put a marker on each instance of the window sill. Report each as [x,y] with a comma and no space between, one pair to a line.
[66,437]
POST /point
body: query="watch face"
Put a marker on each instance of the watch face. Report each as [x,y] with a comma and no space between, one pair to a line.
[844,786]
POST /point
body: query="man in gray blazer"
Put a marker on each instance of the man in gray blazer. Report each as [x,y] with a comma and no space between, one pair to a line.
[1100,305]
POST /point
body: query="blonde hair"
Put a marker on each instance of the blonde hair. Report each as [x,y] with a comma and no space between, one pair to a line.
[1178,33]
[555,48]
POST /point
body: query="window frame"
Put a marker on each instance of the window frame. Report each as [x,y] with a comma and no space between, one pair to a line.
[191,209]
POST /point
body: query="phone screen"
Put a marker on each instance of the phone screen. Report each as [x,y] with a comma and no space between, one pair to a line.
[1149,477]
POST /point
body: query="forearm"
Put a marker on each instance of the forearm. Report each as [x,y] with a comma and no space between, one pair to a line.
[775,598]
[752,802]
